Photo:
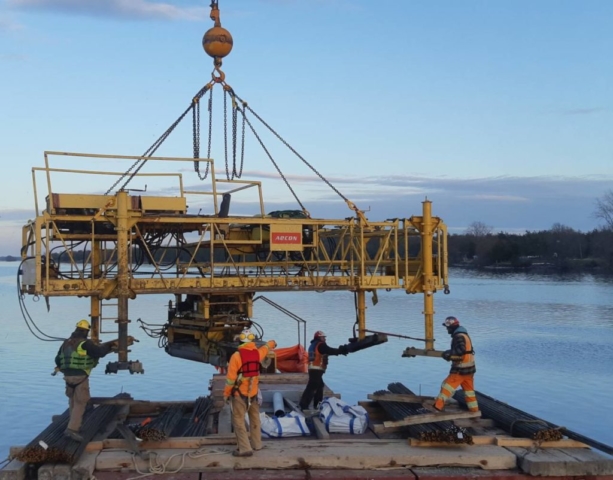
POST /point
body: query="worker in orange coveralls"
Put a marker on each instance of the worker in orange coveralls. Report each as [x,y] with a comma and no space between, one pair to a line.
[462,357]
[241,389]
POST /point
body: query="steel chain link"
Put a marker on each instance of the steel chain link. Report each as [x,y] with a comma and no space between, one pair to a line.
[234,115]
[210,107]
[240,173]
[225,131]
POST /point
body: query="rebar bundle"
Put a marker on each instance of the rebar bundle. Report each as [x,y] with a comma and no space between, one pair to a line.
[51,445]
[196,426]
[160,428]
[446,431]
[517,422]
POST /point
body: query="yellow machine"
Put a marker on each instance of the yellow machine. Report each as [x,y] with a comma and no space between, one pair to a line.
[115,246]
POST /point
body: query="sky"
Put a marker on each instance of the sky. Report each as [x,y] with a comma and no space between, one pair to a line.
[496,111]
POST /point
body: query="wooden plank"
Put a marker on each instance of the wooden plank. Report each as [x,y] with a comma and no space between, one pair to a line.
[561,463]
[477,440]
[224,420]
[131,401]
[14,470]
[293,454]
[85,466]
[399,397]
[169,443]
[504,441]
[430,418]
[292,405]
[15,450]
[377,416]
[379,429]
[594,462]
[320,429]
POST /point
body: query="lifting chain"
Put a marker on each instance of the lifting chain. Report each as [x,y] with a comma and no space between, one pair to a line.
[225,131]
[234,114]
[210,106]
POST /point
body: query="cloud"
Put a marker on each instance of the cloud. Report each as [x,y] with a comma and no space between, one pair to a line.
[13,215]
[12,57]
[498,198]
[584,111]
[123,9]
[8,25]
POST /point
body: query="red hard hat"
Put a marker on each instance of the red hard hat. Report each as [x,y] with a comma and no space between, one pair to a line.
[451,322]
[318,334]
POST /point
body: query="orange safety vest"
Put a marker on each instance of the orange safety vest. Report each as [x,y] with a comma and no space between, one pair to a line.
[317,361]
[466,365]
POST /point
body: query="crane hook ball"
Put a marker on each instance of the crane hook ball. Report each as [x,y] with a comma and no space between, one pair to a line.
[217,42]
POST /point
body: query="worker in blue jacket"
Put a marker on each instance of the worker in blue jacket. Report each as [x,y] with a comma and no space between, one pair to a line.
[318,363]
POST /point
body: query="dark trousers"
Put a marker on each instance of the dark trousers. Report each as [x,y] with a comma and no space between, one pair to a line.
[314,389]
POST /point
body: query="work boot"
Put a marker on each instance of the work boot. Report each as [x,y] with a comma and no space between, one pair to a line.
[237,453]
[73,435]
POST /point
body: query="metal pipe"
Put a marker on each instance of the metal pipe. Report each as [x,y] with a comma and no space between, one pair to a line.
[427,273]
[277,403]
[123,276]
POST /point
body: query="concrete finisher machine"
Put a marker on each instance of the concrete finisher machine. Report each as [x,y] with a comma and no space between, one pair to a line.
[113,246]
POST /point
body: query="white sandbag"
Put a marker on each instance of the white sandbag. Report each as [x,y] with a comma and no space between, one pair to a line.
[339,417]
[291,425]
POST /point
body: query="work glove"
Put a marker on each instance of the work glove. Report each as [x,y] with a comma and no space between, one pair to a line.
[114,346]
[343,349]
[447,355]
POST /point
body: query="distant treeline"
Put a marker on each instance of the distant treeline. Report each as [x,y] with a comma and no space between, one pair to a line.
[561,249]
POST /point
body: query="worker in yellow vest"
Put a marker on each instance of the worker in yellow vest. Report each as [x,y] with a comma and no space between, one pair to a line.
[76,358]
[241,389]
[462,372]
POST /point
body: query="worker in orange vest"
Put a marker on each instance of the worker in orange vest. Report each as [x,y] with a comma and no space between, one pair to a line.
[241,390]
[462,372]
[318,363]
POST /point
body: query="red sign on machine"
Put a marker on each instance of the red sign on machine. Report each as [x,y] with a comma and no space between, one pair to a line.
[286,238]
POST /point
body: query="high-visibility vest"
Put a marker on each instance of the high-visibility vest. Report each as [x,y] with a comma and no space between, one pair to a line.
[317,361]
[468,359]
[75,357]
[250,362]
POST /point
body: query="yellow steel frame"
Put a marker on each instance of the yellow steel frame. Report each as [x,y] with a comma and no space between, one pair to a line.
[342,254]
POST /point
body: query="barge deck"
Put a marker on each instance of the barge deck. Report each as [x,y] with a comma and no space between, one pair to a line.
[385,452]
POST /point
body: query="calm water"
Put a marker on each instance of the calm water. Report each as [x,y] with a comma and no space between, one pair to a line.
[543,343]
